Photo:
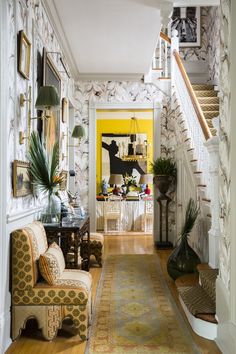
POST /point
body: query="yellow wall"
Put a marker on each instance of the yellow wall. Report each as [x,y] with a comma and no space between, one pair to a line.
[121,126]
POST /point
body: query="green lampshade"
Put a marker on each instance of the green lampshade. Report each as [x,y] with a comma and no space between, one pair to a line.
[48,99]
[78,132]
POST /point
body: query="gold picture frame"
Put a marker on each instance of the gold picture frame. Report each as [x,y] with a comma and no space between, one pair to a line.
[24,55]
[63,184]
[64,109]
[21,179]
[51,76]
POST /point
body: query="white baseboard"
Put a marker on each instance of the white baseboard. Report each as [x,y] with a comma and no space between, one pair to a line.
[204,329]
[5,326]
[226,332]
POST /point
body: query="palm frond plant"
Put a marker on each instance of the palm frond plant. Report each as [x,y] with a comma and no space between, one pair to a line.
[184,259]
[44,172]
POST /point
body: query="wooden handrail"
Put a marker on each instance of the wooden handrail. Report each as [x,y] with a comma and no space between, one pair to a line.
[165,37]
[196,105]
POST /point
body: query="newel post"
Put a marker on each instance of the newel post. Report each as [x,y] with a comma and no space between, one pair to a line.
[212,146]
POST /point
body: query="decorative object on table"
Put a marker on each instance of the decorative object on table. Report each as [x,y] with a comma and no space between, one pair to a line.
[184,260]
[129,182]
[104,187]
[63,184]
[144,181]
[116,180]
[72,198]
[21,179]
[44,170]
[51,76]
[164,171]
[24,55]
[187,21]
[64,110]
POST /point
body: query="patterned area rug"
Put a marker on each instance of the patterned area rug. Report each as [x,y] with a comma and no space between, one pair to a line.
[134,312]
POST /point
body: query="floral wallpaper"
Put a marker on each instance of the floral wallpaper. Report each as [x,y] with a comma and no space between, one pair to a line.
[225,240]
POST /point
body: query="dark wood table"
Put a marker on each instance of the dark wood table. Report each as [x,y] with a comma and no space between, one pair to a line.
[74,240]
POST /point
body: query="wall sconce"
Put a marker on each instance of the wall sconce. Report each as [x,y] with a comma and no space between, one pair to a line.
[47,100]
[77,133]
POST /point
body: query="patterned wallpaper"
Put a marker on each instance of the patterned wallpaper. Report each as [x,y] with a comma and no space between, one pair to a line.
[209,51]
[225,240]
[31,17]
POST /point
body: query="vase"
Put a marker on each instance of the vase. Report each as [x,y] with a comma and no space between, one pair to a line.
[51,213]
[163,183]
[183,260]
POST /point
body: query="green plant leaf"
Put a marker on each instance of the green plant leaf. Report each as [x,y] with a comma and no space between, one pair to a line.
[191,215]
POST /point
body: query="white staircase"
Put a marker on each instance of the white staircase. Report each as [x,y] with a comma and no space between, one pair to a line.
[194,107]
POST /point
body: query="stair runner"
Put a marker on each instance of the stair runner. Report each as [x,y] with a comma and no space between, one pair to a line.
[209,102]
[200,299]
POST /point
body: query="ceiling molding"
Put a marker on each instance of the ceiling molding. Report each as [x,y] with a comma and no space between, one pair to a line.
[109,77]
[56,24]
[196,2]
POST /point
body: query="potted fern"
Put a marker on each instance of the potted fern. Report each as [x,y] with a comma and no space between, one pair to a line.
[184,259]
[44,172]
[164,171]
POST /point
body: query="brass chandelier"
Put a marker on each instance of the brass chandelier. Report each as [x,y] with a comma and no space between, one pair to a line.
[136,150]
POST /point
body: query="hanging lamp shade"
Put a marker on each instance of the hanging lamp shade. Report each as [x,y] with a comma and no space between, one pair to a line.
[78,132]
[48,99]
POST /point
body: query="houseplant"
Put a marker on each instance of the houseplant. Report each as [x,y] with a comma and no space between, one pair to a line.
[184,259]
[164,171]
[44,171]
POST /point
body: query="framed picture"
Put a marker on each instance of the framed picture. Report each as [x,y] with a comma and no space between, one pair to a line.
[187,21]
[51,126]
[21,179]
[114,146]
[63,184]
[24,55]
[64,110]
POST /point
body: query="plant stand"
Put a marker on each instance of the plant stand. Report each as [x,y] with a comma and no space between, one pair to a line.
[164,202]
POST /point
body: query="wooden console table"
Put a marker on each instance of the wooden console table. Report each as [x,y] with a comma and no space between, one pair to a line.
[73,239]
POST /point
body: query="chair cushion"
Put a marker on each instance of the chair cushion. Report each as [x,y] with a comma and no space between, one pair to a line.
[75,278]
[52,263]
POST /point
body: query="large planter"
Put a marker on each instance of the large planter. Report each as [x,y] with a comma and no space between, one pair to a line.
[163,183]
[183,260]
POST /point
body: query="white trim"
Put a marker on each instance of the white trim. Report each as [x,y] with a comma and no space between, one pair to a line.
[197,3]
[22,214]
[110,77]
[204,329]
[93,106]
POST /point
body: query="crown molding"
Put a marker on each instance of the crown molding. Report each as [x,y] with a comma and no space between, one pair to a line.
[49,6]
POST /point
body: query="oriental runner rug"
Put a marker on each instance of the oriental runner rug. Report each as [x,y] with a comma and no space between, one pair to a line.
[134,312]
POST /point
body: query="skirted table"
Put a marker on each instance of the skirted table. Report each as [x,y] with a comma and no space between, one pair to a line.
[132,213]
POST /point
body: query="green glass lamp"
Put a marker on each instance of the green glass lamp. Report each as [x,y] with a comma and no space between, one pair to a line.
[48,99]
[78,132]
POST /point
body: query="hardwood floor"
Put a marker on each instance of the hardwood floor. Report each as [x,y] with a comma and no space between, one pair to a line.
[31,340]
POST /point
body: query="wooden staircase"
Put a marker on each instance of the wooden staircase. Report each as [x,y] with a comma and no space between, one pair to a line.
[209,103]
[198,297]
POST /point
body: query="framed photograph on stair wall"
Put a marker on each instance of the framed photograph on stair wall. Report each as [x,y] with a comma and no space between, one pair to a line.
[187,21]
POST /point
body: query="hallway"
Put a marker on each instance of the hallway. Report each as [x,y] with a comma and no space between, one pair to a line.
[31,340]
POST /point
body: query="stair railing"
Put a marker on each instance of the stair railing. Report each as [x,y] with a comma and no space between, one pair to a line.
[161,59]
[198,129]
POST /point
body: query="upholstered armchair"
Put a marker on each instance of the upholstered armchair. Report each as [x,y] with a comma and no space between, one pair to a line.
[65,294]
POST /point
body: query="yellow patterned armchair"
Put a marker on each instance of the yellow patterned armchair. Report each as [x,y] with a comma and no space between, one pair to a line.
[66,294]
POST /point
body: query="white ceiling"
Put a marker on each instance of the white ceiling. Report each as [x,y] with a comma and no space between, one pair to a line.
[109,38]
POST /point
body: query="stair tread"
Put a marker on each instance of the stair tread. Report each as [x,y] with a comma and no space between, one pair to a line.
[208,100]
[203,266]
[209,107]
[205,93]
[198,87]
[197,300]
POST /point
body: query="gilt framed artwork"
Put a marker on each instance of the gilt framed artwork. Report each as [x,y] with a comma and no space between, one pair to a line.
[187,21]
[51,126]
[21,179]
[63,184]
[64,110]
[24,47]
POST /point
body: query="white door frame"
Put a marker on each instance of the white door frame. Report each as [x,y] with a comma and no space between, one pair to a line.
[93,107]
